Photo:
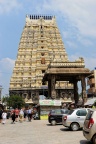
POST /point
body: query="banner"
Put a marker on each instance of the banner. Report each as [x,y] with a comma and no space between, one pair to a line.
[50,102]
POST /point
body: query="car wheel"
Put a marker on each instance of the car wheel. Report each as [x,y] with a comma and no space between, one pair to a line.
[94,139]
[74,126]
[53,122]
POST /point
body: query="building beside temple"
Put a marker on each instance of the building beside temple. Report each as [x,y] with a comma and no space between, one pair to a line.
[91,82]
[41,45]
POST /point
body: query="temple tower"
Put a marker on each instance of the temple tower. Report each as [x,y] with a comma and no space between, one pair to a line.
[40,44]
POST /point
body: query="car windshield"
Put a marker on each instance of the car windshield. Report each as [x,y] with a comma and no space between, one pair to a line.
[89,115]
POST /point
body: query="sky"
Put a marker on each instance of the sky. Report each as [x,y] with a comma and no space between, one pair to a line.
[76,20]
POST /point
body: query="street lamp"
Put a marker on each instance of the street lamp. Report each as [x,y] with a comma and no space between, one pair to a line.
[0,91]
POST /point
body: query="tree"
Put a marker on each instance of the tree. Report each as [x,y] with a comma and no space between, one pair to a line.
[14,101]
[80,95]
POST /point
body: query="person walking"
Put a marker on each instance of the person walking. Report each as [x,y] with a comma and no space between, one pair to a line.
[25,114]
[29,114]
[16,114]
[21,115]
[13,117]
[4,116]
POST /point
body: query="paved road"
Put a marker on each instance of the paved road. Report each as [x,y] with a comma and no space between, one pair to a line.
[38,132]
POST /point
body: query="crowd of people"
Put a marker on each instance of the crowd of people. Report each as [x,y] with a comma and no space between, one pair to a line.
[17,115]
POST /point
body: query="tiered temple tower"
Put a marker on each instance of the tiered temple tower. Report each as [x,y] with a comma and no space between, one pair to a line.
[40,44]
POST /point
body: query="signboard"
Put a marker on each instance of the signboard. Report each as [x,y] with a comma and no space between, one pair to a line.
[44,87]
[50,102]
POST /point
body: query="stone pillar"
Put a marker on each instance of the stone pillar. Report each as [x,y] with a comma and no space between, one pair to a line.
[83,84]
[35,96]
[49,88]
[76,92]
[53,91]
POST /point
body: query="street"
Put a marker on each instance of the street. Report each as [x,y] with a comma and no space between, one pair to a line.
[38,132]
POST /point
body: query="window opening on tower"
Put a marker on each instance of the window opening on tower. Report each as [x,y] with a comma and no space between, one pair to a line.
[43,71]
[42,54]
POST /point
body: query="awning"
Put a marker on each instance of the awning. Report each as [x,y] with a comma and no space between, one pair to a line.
[66,101]
[29,101]
[90,101]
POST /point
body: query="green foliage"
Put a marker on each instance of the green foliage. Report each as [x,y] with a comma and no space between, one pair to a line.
[14,101]
[4,99]
[80,95]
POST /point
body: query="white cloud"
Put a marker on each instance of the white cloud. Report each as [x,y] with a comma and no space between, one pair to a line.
[80,14]
[71,44]
[70,33]
[6,64]
[73,57]
[84,41]
[0,74]
[65,34]
[90,62]
[6,68]
[8,5]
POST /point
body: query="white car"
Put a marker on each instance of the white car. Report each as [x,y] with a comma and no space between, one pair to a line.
[89,128]
[75,118]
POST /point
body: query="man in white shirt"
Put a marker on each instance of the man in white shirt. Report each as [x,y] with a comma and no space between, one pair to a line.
[4,116]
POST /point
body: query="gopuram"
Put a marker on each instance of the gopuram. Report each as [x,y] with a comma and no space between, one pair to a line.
[42,66]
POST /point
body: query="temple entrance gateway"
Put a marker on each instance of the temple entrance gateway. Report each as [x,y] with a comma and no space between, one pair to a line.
[66,72]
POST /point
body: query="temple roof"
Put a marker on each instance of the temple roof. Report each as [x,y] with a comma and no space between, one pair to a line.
[66,71]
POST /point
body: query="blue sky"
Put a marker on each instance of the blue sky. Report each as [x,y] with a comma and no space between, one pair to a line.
[76,20]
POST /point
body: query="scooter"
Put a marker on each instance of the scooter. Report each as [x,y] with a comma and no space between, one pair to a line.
[35,116]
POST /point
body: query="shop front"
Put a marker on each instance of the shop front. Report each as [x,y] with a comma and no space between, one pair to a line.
[46,106]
